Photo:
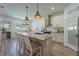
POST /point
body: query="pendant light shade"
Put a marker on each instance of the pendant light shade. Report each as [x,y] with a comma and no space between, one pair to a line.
[27,21]
[37,16]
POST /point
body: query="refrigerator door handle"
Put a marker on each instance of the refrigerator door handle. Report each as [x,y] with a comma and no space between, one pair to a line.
[76,35]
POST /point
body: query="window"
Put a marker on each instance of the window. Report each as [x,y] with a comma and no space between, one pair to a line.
[4,25]
[19,25]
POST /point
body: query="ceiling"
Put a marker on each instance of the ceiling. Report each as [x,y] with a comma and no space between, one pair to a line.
[18,10]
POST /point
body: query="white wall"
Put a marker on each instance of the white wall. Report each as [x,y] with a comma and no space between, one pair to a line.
[58,19]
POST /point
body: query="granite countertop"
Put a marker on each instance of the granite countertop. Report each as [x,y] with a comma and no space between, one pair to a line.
[38,36]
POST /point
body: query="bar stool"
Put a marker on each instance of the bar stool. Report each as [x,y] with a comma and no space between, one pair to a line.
[32,48]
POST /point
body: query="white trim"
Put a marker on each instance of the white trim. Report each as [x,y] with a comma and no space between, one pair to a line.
[73,47]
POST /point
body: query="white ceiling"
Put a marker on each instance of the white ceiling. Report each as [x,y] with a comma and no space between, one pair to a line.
[18,10]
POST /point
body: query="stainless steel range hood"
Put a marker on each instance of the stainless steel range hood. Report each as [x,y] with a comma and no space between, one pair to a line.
[48,28]
[49,20]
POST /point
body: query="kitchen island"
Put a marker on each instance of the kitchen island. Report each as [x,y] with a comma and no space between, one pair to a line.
[44,39]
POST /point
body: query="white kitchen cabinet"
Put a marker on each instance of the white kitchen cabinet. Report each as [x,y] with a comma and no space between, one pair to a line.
[59,37]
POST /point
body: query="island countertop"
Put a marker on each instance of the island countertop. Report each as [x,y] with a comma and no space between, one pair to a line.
[41,36]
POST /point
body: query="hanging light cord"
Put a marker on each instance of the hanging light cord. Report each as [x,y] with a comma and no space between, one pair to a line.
[26,11]
[37,6]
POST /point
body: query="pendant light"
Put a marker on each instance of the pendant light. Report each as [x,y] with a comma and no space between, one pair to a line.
[37,16]
[27,21]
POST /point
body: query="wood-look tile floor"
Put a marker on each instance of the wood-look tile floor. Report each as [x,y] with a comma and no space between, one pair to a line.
[59,49]
[8,48]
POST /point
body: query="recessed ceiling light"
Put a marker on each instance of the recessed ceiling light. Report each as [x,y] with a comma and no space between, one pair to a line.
[52,8]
